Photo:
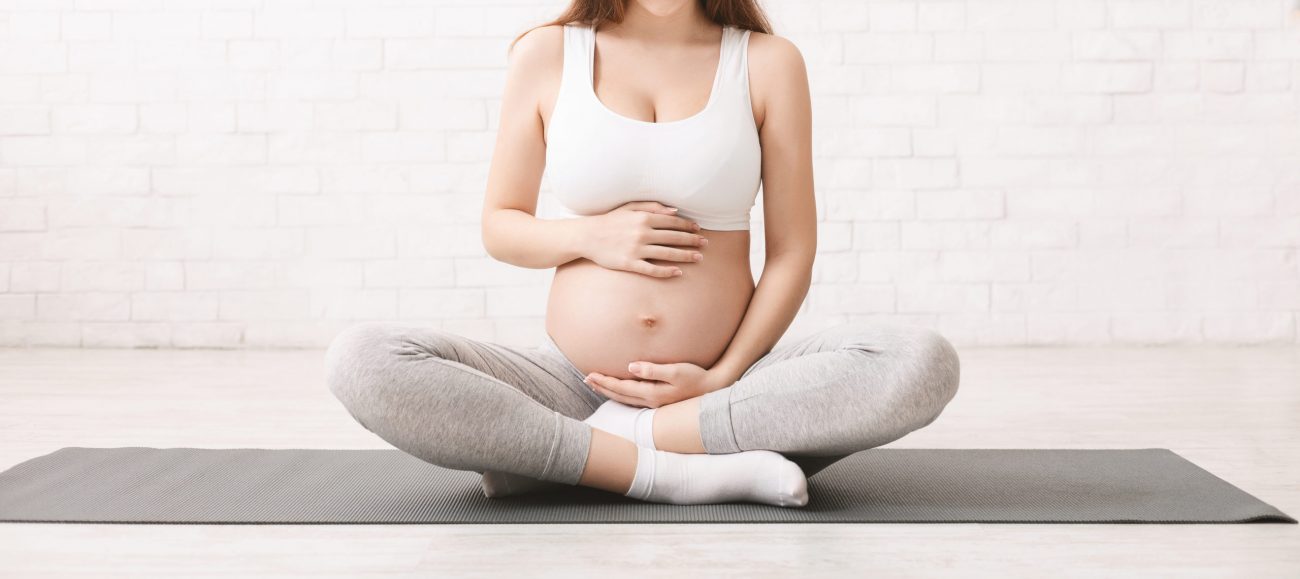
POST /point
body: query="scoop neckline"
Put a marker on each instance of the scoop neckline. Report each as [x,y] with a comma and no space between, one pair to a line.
[713,90]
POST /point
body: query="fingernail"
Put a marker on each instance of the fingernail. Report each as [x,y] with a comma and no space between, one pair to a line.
[634,368]
[677,272]
[697,256]
[672,209]
[704,242]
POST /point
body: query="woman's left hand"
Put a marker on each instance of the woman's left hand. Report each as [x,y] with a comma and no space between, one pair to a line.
[658,384]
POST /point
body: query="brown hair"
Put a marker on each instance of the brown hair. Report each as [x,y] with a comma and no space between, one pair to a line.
[745,14]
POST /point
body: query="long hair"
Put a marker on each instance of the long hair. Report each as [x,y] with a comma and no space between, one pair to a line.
[745,14]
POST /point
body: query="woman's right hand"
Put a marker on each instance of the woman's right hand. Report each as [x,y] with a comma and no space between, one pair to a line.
[628,235]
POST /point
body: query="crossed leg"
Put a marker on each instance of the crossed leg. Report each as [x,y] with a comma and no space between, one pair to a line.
[821,398]
[474,405]
[462,403]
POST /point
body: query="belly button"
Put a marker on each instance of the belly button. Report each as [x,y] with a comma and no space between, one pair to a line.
[648,320]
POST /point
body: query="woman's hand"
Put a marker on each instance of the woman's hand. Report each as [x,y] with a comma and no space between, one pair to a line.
[660,384]
[634,232]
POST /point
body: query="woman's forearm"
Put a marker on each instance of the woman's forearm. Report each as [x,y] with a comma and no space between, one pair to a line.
[774,305]
[521,239]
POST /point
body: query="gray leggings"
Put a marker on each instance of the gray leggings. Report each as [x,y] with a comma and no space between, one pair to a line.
[475,405]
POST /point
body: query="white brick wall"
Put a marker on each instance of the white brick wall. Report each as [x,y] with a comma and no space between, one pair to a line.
[255,173]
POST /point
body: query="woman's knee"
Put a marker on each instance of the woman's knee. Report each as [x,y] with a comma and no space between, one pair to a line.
[934,370]
[926,369]
[358,358]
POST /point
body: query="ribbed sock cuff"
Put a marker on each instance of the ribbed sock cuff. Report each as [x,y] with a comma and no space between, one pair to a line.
[645,423]
[644,479]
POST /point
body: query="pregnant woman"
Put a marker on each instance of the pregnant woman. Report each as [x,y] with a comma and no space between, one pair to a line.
[659,376]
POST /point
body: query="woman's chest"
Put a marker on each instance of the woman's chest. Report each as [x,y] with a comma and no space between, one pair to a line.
[595,164]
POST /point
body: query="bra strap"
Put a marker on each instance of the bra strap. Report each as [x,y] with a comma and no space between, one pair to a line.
[577,51]
[735,57]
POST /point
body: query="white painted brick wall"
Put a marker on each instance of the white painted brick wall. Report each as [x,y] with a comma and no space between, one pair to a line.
[262,173]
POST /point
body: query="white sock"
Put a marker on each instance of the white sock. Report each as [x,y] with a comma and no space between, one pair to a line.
[496,484]
[759,476]
[630,422]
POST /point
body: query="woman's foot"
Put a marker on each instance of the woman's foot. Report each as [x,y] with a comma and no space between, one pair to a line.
[496,485]
[757,476]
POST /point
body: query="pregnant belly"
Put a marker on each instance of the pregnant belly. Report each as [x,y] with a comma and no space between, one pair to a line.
[603,319]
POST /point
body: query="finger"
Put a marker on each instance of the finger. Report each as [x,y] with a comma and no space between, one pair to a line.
[674,237]
[652,206]
[652,270]
[670,254]
[636,388]
[653,372]
[658,221]
[628,400]
[596,382]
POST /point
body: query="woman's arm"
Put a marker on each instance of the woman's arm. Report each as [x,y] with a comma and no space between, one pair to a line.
[778,74]
[511,231]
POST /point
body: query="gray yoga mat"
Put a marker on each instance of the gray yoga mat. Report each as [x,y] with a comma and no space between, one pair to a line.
[188,485]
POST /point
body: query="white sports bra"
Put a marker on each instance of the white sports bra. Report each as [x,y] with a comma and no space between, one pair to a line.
[707,165]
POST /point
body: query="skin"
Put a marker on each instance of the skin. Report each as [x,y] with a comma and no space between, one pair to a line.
[512,233]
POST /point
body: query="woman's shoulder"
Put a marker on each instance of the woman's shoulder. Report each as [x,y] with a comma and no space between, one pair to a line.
[777,54]
[778,77]
[539,45]
[536,60]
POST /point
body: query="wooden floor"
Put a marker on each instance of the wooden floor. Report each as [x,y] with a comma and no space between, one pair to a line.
[1234,411]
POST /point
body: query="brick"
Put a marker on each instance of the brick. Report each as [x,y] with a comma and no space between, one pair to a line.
[17,307]
[1250,328]
[942,298]
[1057,329]
[1034,297]
[1126,77]
[983,329]
[960,204]
[1157,328]
[416,273]
[22,215]
[295,23]
[1115,45]
[835,267]
[24,120]
[851,298]
[174,306]
[441,303]
[897,15]
[892,47]
[950,15]
[893,111]
[1206,45]
[945,235]
[227,24]
[443,53]
[87,307]
[390,22]
[207,335]
[278,304]
[317,273]
[514,302]
[870,205]
[353,304]
[1151,14]
[125,335]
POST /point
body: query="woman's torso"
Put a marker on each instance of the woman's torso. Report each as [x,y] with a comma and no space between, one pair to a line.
[706,164]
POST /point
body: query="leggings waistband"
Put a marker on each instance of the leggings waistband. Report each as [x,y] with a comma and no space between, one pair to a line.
[548,344]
